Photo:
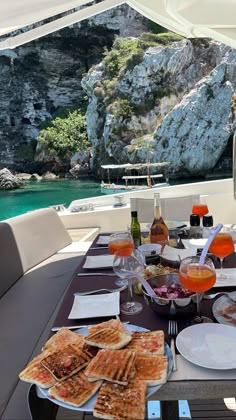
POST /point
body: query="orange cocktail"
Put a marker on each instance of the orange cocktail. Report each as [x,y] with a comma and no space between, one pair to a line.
[222,245]
[122,242]
[200,209]
[197,278]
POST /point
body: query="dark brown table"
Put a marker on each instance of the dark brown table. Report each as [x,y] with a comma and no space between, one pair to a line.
[172,391]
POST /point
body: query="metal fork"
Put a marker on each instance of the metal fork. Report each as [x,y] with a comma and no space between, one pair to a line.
[172,333]
[117,289]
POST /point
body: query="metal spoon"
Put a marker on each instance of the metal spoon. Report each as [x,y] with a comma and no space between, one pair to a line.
[213,295]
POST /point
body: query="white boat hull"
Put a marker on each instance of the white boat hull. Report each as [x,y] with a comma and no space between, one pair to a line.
[106,217]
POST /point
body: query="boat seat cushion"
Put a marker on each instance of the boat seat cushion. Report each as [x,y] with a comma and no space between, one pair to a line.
[27,240]
[25,312]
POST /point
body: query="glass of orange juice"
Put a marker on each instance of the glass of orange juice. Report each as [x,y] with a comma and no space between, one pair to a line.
[121,241]
[222,246]
[197,277]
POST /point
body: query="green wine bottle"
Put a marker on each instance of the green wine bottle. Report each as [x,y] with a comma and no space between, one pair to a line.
[135,229]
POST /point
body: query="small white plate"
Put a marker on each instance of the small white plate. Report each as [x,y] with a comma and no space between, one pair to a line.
[149,250]
[221,304]
[208,345]
[98,261]
[93,306]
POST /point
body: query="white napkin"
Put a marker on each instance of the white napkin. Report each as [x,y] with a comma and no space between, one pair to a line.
[173,254]
[187,371]
[98,261]
[230,280]
[103,240]
[92,306]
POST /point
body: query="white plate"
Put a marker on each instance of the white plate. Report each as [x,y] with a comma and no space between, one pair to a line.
[88,406]
[208,345]
[222,303]
[103,240]
[98,261]
[93,306]
[175,254]
[194,243]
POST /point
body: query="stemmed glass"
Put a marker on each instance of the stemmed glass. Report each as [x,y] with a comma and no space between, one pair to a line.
[198,278]
[200,208]
[121,240]
[222,246]
[129,268]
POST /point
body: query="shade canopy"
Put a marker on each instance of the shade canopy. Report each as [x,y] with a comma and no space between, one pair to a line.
[191,18]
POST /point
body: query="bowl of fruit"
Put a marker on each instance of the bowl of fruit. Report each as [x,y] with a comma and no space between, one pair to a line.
[172,299]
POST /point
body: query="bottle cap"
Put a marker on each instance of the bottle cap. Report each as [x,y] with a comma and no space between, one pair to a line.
[207,221]
[134,213]
[194,220]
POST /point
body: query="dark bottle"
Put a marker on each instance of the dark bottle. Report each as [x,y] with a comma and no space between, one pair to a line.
[207,222]
[159,233]
[195,231]
[135,229]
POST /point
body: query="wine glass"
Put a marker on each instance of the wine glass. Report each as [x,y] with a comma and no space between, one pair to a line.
[198,278]
[222,246]
[128,268]
[121,240]
[200,208]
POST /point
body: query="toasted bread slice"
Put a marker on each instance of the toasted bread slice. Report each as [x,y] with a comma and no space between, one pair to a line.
[62,338]
[151,368]
[111,365]
[114,324]
[150,342]
[35,373]
[75,390]
[116,402]
[107,338]
[65,362]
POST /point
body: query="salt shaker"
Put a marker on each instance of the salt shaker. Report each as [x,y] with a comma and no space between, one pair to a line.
[195,228]
[207,222]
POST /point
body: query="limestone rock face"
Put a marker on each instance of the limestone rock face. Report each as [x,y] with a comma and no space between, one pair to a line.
[195,133]
[8,181]
[184,93]
[39,78]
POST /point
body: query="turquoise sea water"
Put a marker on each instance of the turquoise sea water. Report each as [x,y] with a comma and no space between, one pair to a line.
[35,195]
[40,194]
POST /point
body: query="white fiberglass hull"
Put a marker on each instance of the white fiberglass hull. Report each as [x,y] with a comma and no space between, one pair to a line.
[107,217]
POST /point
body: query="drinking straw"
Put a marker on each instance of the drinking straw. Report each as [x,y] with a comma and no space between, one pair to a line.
[212,234]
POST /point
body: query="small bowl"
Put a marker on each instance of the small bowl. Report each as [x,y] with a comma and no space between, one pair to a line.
[150,250]
[170,263]
[179,306]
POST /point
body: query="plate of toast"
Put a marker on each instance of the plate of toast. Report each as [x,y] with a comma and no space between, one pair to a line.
[106,369]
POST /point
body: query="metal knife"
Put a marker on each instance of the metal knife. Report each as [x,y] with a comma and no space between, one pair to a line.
[71,327]
[95,274]
[76,327]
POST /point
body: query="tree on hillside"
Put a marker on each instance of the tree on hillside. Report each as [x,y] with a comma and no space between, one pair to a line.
[65,135]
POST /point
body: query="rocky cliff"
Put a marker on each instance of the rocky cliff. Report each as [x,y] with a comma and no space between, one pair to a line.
[180,104]
[172,96]
[39,78]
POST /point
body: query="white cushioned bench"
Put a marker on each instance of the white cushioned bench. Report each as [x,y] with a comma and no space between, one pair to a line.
[34,276]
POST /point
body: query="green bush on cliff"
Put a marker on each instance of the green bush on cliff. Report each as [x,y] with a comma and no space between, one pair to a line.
[115,59]
[65,135]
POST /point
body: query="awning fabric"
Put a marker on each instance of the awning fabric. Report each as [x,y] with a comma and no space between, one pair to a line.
[191,18]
